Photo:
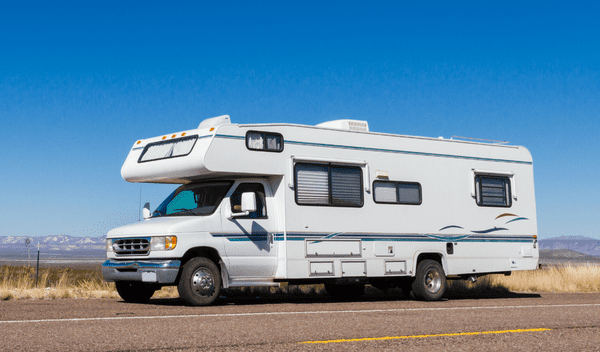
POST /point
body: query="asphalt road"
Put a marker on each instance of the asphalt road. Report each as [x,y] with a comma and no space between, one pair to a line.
[526,322]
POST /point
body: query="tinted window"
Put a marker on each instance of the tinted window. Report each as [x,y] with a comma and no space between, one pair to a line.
[193,199]
[397,192]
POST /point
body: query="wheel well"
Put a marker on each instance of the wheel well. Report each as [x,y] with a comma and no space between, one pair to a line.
[433,256]
[206,252]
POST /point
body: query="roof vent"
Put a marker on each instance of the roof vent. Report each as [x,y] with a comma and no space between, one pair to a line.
[346,125]
[214,122]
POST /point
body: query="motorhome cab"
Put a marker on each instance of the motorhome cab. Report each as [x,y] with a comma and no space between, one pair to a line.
[263,204]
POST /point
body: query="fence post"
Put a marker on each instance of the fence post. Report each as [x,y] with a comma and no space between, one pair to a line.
[37,269]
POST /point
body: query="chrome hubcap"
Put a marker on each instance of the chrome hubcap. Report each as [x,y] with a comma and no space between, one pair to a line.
[433,281]
[202,282]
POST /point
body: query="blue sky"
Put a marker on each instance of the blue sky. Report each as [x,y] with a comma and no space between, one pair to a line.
[81,81]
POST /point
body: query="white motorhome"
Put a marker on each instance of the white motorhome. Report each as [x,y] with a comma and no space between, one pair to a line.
[263,204]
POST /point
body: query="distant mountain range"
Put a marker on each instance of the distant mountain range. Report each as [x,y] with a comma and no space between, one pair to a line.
[585,245]
[62,241]
[15,247]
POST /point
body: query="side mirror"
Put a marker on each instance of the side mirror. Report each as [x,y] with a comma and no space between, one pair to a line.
[146,211]
[248,202]
[248,205]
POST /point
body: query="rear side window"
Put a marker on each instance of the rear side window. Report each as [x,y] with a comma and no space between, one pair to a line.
[391,192]
[330,185]
[493,191]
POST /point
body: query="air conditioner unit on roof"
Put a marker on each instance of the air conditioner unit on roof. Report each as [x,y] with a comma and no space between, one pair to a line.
[346,125]
[214,122]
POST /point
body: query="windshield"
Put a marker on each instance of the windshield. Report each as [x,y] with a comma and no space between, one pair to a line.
[194,199]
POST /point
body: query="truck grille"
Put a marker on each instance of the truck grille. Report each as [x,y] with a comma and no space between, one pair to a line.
[132,246]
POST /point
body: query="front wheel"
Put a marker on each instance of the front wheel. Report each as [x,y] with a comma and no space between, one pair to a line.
[430,281]
[134,292]
[200,282]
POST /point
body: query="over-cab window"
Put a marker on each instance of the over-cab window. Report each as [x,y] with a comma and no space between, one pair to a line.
[397,192]
[326,184]
[168,149]
[492,191]
[264,141]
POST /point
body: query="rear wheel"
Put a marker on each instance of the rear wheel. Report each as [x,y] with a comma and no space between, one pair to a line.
[430,281]
[134,292]
[200,282]
[345,292]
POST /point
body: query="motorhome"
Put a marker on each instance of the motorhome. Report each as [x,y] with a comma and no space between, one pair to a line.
[266,204]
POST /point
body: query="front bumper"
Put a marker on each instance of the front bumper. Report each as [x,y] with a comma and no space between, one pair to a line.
[151,271]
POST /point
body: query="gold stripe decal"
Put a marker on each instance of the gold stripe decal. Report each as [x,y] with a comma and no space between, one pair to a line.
[436,335]
[503,215]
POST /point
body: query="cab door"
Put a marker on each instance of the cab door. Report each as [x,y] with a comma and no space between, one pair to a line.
[249,239]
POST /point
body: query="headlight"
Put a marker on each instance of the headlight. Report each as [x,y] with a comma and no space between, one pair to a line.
[163,243]
[109,247]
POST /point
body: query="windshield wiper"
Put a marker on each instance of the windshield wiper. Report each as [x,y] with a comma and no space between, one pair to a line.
[184,212]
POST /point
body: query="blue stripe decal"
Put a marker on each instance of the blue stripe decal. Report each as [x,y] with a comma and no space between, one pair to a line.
[370,237]
[491,230]
[228,136]
[517,219]
[451,227]
[407,152]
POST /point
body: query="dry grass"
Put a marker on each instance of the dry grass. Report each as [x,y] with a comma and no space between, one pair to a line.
[582,278]
[18,282]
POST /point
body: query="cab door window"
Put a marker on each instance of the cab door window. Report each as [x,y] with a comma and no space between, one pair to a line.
[259,192]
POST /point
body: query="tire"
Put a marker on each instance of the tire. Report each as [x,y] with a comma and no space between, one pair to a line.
[430,281]
[345,292]
[134,292]
[200,282]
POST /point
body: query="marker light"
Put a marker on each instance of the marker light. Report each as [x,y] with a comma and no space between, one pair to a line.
[138,142]
[164,137]
[183,134]
[173,136]
[170,242]
[381,173]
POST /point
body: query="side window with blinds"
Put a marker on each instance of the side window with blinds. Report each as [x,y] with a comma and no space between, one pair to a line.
[397,192]
[493,191]
[330,185]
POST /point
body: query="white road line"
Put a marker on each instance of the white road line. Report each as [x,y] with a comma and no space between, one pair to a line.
[295,313]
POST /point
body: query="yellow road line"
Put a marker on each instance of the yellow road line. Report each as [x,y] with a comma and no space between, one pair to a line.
[422,336]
